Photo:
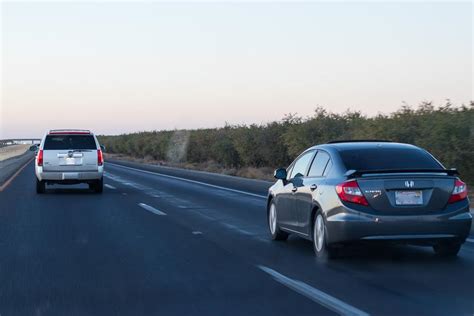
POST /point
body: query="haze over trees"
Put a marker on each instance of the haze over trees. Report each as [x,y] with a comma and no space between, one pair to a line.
[446,131]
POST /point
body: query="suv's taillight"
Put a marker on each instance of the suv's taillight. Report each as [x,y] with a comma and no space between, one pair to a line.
[459,192]
[100,157]
[349,191]
[40,157]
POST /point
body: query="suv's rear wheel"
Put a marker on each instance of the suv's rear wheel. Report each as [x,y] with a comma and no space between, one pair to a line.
[40,186]
[447,249]
[320,246]
[275,231]
[97,186]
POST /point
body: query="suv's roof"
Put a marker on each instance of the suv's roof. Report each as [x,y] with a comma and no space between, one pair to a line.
[361,145]
[69,131]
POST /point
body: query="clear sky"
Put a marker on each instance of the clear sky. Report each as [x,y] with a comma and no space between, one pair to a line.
[119,67]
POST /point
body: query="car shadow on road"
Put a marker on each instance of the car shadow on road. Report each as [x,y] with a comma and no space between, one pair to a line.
[376,253]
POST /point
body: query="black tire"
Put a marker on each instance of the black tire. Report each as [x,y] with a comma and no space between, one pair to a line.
[275,231]
[97,186]
[320,245]
[447,249]
[40,186]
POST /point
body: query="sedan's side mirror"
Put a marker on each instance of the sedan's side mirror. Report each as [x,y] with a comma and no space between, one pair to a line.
[34,148]
[280,174]
[102,147]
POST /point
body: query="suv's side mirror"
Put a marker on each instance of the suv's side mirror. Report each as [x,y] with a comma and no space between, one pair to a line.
[102,147]
[34,148]
[280,174]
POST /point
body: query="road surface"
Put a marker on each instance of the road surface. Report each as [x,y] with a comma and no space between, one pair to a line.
[153,244]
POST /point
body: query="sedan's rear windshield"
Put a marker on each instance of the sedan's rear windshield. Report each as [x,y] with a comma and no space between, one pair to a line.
[59,142]
[388,158]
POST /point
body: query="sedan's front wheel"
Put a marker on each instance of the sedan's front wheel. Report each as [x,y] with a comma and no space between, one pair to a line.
[275,231]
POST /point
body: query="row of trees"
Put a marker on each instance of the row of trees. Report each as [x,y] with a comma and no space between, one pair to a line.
[446,131]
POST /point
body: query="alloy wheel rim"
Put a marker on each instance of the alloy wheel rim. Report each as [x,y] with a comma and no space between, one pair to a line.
[272,219]
[319,233]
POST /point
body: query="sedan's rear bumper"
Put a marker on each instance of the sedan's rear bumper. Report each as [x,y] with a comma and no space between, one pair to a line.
[351,225]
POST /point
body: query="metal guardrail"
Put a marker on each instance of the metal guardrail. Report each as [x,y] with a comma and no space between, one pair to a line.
[17,141]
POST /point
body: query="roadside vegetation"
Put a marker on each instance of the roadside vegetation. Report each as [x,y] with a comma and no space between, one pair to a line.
[446,131]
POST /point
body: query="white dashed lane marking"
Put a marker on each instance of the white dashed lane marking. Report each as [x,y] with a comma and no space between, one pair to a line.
[314,294]
[151,209]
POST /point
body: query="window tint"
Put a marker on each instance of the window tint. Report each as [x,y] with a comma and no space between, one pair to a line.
[318,165]
[299,167]
[60,142]
[388,158]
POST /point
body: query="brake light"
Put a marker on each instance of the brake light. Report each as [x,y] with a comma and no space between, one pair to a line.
[40,158]
[459,192]
[349,191]
[100,157]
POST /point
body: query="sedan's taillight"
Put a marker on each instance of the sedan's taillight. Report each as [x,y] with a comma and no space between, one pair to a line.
[40,158]
[459,192]
[100,157]
[349,191]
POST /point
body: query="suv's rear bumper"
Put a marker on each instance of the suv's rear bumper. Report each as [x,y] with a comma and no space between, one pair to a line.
[66,176]
[351,225]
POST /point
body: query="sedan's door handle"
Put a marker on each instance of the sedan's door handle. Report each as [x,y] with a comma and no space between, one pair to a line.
[313,187]
[294,189]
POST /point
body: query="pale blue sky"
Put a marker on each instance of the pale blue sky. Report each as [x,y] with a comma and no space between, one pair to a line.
[128,66]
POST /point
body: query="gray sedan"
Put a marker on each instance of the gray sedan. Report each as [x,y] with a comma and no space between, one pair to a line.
[369,191]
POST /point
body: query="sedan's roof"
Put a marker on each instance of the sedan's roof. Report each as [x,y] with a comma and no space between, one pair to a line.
[361,145]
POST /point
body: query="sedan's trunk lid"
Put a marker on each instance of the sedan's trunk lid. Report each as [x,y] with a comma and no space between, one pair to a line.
[408,193]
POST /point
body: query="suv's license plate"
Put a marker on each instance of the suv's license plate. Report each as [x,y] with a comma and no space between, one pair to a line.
[409,197]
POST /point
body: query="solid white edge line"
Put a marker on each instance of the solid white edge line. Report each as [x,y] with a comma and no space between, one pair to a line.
[151,209]
[470,240]
[110,186]
[315,295]
[191,181]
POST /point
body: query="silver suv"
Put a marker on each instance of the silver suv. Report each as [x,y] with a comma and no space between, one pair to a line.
[69,157]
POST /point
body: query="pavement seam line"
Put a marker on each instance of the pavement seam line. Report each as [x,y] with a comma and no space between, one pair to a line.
[191,181]
[314,294]
[151,209]
[3,186]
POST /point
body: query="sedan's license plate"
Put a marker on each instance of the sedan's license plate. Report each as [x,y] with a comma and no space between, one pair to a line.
[408,197]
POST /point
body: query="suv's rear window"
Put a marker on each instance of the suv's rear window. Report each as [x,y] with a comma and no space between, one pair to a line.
[59,142]
[388,158]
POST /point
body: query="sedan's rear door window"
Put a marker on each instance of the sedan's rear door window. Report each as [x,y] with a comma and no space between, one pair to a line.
[319,164]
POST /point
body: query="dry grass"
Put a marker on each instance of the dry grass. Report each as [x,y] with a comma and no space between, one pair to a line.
[210,166]
[12,151]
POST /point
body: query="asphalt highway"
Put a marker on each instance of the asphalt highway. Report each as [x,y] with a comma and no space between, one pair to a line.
[163,244]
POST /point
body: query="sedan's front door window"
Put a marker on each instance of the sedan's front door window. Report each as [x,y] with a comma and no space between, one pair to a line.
[301,165]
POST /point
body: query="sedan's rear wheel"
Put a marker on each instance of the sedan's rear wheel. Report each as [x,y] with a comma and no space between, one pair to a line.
[275,231]
[447,249]
[320,245]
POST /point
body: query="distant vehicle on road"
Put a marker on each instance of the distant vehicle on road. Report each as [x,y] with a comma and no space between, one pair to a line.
[369,191]
[69,157]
